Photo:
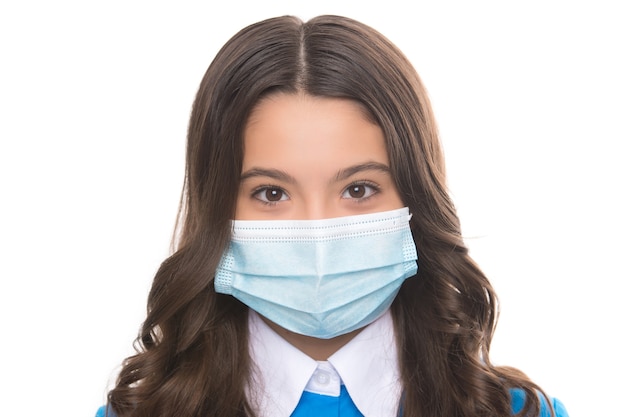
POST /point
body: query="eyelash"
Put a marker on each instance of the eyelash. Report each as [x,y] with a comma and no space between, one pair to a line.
[264,188]
[375,189]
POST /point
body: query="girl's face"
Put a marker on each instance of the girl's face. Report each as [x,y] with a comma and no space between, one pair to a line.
[313,158]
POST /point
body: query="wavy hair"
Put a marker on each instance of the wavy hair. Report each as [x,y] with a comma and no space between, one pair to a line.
[192,351]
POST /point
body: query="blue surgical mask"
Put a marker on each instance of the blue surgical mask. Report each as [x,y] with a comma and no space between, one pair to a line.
[320,278]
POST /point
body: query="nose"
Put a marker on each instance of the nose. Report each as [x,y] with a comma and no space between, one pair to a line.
[316,209]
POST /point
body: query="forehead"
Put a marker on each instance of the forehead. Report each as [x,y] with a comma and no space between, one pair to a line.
[307,128]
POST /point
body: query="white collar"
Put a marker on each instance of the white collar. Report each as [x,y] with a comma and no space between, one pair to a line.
[367,366]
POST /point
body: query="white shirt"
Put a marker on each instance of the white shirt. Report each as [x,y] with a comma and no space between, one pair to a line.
[367,366]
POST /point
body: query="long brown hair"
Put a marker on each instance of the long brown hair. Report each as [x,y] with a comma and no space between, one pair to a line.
[192,355]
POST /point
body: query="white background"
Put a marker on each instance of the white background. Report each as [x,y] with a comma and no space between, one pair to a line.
[94,102]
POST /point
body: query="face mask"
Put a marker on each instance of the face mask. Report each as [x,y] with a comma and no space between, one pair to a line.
[320,278]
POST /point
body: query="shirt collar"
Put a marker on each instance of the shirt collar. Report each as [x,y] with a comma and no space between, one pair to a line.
[280,371]
[367,365]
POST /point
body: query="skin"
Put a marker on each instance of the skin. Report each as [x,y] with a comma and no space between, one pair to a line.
[313,158]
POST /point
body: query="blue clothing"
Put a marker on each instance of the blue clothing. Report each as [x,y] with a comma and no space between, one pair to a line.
[316,405]
[517,403]
[102,411]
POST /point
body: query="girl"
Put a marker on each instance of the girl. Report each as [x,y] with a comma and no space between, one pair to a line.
[314,180]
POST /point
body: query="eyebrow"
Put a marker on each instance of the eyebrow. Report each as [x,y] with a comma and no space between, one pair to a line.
[270,173]
[346,173]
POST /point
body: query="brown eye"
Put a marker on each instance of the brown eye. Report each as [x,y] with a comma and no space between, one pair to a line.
[270,195]
[356,191]
[273,194]
[360,191]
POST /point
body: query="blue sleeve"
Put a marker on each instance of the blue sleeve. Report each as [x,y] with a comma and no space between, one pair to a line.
[518,397]
[102,412]
[559,408]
